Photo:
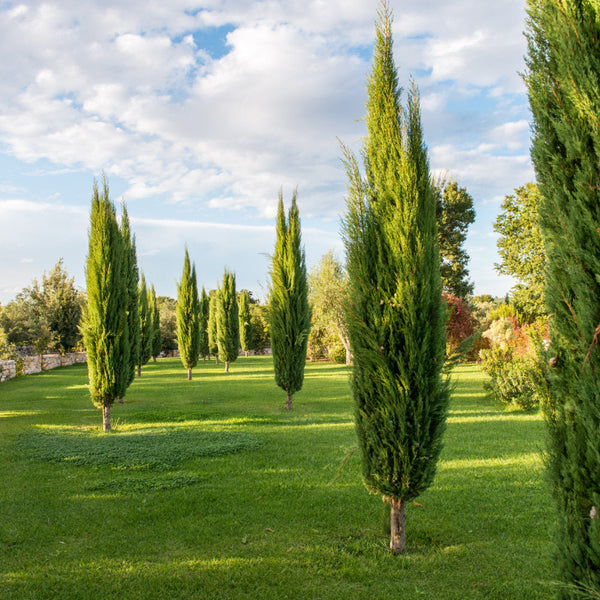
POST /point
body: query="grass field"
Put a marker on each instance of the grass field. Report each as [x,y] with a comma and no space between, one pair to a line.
[210,489]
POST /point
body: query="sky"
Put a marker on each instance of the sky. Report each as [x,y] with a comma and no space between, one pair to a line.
[200,113]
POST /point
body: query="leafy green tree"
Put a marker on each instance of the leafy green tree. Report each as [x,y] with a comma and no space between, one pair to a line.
[288,298]
[131,339]
[261,333]
[213,345]
[521,248]
[245,322]
[563,74]
[454,211]
[204,315]
[105,314]
[168,322]
[228,325]
[146,325]
[156,339]
[328,294]
[188,316]
[395,315]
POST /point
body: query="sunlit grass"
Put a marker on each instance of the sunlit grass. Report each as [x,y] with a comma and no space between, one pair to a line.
[149,511]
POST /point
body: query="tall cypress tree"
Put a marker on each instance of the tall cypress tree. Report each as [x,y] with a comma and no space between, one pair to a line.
[563,81]
[104,321]
[245,322]
[228,326]
[289,309]
[131,338]
[213,346]
[146,326]
[203,325]
[156,345]
[395,313]
[188,307]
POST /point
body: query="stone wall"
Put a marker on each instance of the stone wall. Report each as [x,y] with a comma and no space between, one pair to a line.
[37,364]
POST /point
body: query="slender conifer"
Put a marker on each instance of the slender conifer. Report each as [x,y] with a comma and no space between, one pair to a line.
[563,80]
[105,315]
[156,345]
[289,309]
[146,326]
[213,346]
[228,326]
[245,322]
[188,307]
[203,325]
[395,314]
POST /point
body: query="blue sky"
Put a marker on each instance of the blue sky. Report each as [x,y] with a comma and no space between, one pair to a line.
[200,112]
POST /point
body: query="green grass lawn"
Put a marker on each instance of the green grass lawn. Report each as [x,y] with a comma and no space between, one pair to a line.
[210,489]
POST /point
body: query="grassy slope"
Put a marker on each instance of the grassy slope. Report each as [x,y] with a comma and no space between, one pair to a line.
[270,521]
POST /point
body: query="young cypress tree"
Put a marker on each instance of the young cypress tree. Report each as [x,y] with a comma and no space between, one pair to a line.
[203,325]
[131,338]
[146,326]
[563,81]
[105,315]
[156,345]
[245,322]
[228,326]
[213,346]
[188,316]
[289,309]
[395,314]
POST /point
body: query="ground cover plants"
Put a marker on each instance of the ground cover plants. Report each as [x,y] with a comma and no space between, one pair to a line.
[210,489]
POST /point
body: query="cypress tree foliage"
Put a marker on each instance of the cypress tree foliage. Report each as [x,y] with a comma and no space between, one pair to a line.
[395,315]
[228,325]
[213,346]
[245,322]
[188,321]
[563,82]
[104,321]
[131,338]
[203,326]
[290,312]
[146,326]
[156,335]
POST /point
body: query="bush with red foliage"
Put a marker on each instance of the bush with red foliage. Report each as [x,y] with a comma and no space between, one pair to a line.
[460,321]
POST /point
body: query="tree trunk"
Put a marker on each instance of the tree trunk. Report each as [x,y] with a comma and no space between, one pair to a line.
[106,417]
[226,367]
[288,401]
[397,527]
[189,374]
[139,370]
[216,360]
[154,359]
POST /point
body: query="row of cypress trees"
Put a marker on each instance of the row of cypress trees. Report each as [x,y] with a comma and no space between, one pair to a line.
[120,322]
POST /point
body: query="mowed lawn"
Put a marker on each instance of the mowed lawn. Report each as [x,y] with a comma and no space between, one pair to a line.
[210,489]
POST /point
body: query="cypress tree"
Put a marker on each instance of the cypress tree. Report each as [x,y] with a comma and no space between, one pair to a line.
[563,82]
[188,316]
[105,315]
[289,309]
[156,345]
[131,338]
[245,322]
[213,346]
[228,326]
[204,314]
[395,314]
[146,326]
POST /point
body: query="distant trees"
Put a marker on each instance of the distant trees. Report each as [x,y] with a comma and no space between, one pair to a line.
[203,346]
[395,316]
[213,343]
[168,322]
[563,73]
[245,322]
[105,316]
[46,314]
[521,248]
[146,326]
[228,326]
[289,311]
[188,321]
[454,212]
[154,312]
